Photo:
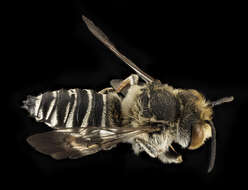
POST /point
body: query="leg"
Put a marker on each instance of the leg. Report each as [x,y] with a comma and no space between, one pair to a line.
[170,157]
[121,85]
[131,80]
[147,147]
[137,148]
[106,90]
[140,145]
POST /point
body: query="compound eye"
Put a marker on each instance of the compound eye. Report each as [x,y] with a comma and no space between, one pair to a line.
[197,137]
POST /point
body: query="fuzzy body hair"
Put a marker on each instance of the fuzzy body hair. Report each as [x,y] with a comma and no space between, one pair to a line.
[175,110]
[151,116]
[139,108]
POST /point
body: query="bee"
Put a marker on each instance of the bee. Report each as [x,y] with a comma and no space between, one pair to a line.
[147,114]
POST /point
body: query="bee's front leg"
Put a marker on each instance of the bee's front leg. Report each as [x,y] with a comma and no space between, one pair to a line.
[170,157]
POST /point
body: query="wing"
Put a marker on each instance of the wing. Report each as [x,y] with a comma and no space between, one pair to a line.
[76,143]
[98,33]
[61,144]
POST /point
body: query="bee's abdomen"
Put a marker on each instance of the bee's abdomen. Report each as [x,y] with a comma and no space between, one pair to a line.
[70,108]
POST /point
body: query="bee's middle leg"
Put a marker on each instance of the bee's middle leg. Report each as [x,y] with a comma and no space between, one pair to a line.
[151,150]
[119,85]
[106,90]
[147,147]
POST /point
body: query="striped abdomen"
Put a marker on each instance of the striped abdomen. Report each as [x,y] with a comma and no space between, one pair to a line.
[75,108]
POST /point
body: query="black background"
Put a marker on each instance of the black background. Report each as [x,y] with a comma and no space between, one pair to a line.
[198,46]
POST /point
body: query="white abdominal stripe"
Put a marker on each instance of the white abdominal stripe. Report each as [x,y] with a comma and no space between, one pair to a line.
[69,108]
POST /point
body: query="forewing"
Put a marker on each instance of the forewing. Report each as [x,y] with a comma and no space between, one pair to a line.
[61,144]
[98,33]
[76,143]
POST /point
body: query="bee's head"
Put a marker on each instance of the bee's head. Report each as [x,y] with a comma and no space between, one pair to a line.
[195,125]
[193,129]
